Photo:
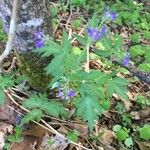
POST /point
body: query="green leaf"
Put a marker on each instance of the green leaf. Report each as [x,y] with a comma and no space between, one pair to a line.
[146,34]
[118,43]
[54,108]
[56,66]
[118,86]
[89,109]
[78,2]
[94,21]
[51,48]
[122,135]
[128,142]
[6,81]
[2,97]
[136,50]
[82,40]
[66,42]
[93,90]
[34,115]
[73,136]
[145,67]
[53,11]
[116,128]
[42,102]
[145,132]
[135,38]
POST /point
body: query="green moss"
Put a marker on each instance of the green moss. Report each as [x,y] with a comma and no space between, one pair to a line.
[32,65]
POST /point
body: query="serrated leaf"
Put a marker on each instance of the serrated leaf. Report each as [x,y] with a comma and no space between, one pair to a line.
[66,42]
[51,48]
[129,142]
[54,108]
[116,128]
[93,90]
[81,40]
[2,97]
[94,21]
[41,102]
[6,81]
[34,115]
[89,109]
[118,86]
[56,67]
[145,132]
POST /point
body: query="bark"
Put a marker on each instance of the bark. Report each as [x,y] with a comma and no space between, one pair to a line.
[33,16]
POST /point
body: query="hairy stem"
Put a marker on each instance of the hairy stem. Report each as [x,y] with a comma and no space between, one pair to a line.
[87,65]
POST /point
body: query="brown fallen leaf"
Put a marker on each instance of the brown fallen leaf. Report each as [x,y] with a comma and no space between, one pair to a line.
[143,145]
[28,143]
[52,143]
[5,128]
[2,140]
[6,113]
[107,136]
[36,130]
[141,114]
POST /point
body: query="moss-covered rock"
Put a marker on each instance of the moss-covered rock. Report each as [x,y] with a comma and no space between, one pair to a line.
[32,65]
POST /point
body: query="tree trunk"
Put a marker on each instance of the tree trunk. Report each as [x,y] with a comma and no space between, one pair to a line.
[33,16]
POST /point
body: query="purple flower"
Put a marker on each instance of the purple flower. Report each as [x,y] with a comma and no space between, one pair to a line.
[39,43]
[65,95]
[71,93]
[96,35]
[60,94]
[110,15]
[126,59]
[38,35]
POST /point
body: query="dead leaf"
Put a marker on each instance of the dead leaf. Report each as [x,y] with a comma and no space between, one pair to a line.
[143,145]
[127,105]
[29,143]
[107,136]
[2,140]
[141,114]
[36,131]
[7,113]
[5,128]
[59,143]
[80,127]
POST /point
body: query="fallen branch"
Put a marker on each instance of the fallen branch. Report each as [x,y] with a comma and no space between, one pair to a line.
[12,30]
[142,75]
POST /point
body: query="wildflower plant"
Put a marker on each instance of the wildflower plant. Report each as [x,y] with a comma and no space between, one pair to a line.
[90,91]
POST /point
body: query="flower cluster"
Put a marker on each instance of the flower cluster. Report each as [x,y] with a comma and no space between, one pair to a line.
[110,15]
[65,95]
[96,35]
[38,39]
[126,59]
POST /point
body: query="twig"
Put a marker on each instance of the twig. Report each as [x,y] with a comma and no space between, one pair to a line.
[12,30]
[12,65]
[61,17]
[78,34]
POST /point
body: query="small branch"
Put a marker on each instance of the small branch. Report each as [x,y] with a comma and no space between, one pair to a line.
[142,75]
[12,65]
[12,30]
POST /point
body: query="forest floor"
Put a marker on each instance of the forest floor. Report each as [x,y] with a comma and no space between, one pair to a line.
[128,115]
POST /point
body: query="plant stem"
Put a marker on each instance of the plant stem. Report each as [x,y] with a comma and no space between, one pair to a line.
[87,65]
